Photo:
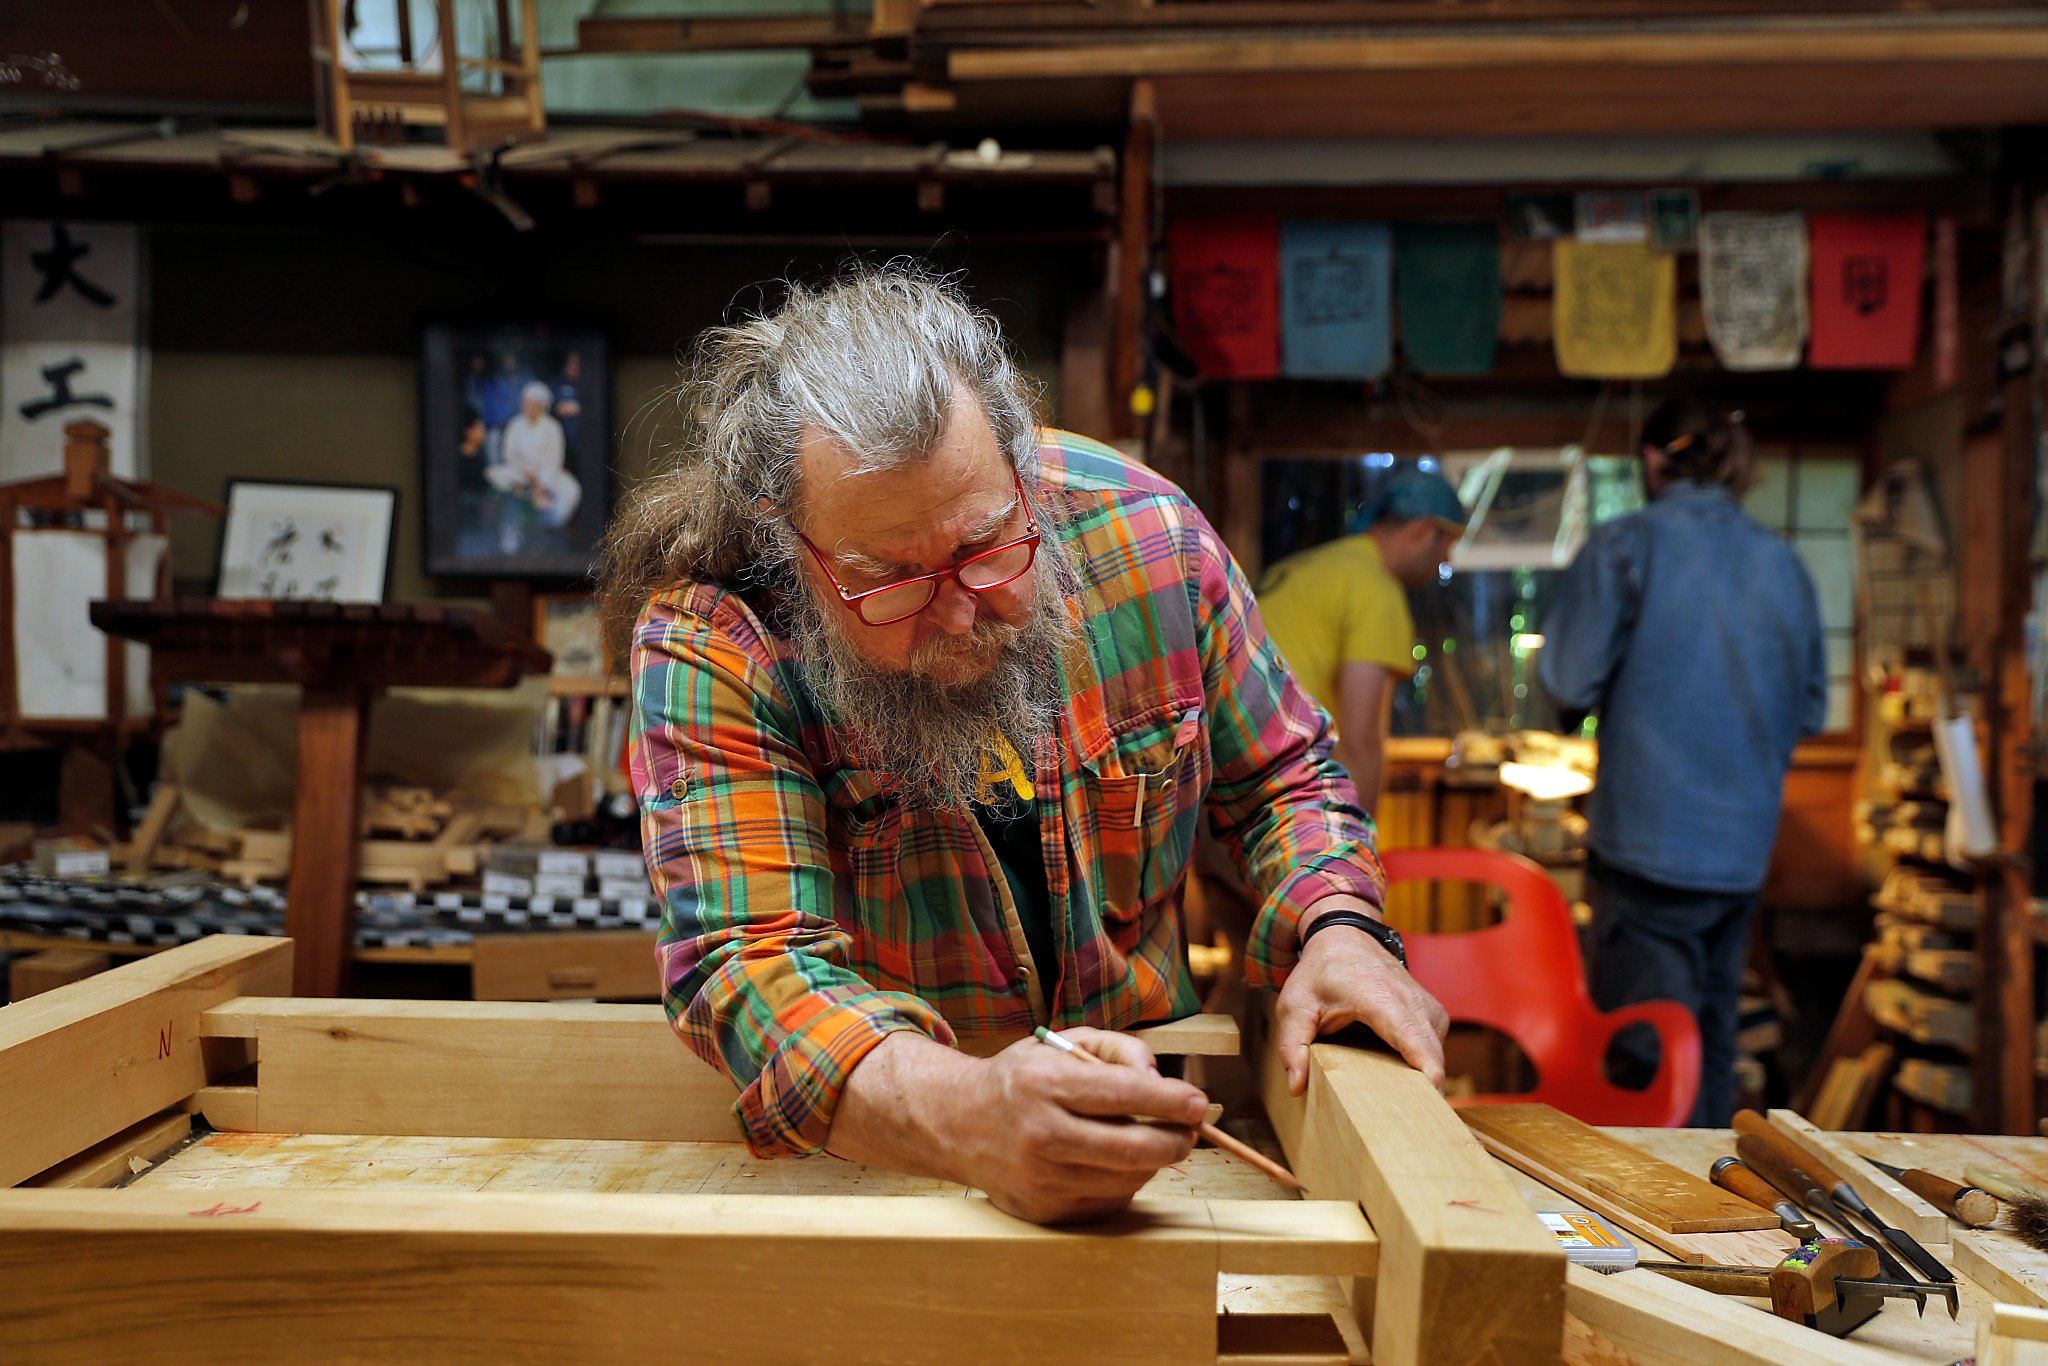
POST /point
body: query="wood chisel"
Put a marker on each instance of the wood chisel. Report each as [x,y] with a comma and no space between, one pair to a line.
[1750,1123]
[1790,1177]
[1969,1205]
[1829,1284]
[1730,1175]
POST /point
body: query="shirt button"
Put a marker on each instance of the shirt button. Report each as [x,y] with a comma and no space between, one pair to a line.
[679,789]
[1023,974]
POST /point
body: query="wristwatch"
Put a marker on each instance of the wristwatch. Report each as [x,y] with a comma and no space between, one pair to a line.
[1388,936]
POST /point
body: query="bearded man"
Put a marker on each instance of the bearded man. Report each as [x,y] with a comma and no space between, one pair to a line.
[929,703]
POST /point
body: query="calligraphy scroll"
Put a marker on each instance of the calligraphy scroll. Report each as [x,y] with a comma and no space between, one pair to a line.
[1753,288]
[71,341]
[1614,310]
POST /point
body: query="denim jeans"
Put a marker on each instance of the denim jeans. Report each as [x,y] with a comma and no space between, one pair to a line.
[1652,942]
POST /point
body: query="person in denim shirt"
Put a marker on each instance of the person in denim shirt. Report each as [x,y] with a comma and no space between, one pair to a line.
[1694,633]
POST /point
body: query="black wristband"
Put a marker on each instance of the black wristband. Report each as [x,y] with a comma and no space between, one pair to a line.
[1389,938]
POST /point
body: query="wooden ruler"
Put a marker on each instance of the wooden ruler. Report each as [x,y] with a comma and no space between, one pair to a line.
[1648,1188]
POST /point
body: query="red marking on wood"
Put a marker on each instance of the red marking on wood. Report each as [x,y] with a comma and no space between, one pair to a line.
[1471,1204]
[219,1208]
[163,1039]
[2001,1158]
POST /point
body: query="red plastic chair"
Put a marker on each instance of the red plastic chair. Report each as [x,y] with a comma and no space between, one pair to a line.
[1523,978]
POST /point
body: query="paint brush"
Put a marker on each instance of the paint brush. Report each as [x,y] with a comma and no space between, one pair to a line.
[1243,1152]
[2026,1204]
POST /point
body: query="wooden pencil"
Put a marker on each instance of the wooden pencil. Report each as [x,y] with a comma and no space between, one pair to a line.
[1209,1133]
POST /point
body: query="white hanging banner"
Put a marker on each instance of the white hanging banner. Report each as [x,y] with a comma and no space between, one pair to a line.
[71,343]
[1753,288]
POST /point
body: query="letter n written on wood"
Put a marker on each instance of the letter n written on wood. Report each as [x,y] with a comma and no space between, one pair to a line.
[87,1060]
[1467,1274]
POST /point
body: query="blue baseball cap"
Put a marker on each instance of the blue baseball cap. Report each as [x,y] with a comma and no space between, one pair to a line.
[1416,493]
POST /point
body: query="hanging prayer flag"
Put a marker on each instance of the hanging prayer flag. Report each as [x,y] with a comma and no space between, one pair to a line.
[1447,288]
[1226,294]
[1674,219]
[1614,309]
[1867,274]
[71,342]
[1753,288]
[1336,316]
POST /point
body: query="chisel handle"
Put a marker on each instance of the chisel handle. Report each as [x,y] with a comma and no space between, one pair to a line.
[1796,1160]
[1966,1204]
[1731,1176]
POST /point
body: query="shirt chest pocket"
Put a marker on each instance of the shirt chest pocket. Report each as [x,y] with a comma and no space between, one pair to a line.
[1144,791]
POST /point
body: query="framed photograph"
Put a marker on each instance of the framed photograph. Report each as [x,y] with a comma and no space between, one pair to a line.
[515,449]
[566,625]
[325,542]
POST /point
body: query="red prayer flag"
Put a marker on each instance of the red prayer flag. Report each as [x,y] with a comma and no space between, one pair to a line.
[1867,276]
[1226,294]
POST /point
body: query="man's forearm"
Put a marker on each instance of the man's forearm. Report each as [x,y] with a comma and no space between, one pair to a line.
[886,1113]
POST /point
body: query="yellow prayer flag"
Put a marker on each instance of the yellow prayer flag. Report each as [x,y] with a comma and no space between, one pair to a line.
[1614,309]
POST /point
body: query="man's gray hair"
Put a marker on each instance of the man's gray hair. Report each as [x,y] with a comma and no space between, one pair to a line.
[872,360]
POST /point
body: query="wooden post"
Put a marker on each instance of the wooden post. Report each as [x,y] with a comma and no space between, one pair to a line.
[1133,259]
[320,895]
[451,74]
[85,459]
[1467,1274]
[1087,397]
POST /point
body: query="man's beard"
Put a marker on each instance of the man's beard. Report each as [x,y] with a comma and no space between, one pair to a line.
[932,735]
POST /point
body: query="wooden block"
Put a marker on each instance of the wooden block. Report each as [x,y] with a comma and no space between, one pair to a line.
[2007,1269]
[1650,1188]
[1894,1204]
[1644,1319]
[548,967]
[1467,1273]
[225,1277]
[79,1065]
[2013,1335]
[111,1161]
[52,968]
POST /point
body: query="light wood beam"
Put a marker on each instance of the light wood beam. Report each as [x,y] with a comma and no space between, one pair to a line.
[631,1278]
[85,1061]
[491,1069]
[1467,1274]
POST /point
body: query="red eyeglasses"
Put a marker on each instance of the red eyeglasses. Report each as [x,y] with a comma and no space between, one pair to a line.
[905,598]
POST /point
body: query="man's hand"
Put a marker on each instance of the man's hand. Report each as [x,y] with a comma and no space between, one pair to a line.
[1050,1138]
[1344,977]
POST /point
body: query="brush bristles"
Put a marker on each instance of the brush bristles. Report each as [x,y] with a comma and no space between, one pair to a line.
[2029,1219]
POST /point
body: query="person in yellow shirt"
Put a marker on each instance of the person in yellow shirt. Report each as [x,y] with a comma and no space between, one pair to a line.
[1339,612]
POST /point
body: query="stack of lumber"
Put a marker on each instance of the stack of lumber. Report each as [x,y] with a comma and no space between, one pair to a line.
[412,838]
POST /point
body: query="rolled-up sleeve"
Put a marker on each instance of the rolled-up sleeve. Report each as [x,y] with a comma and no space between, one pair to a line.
[1286,810]
[753,962]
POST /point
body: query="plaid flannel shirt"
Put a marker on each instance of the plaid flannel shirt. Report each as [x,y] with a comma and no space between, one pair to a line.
[806,915]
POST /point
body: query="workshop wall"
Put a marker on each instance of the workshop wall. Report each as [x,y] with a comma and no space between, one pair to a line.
[293,354]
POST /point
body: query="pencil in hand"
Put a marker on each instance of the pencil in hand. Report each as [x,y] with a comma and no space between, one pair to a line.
[1242,1151]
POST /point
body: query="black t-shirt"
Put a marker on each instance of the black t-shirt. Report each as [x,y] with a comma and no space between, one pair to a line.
[1013,832]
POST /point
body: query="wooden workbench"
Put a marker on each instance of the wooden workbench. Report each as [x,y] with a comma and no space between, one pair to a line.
[468,1177]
